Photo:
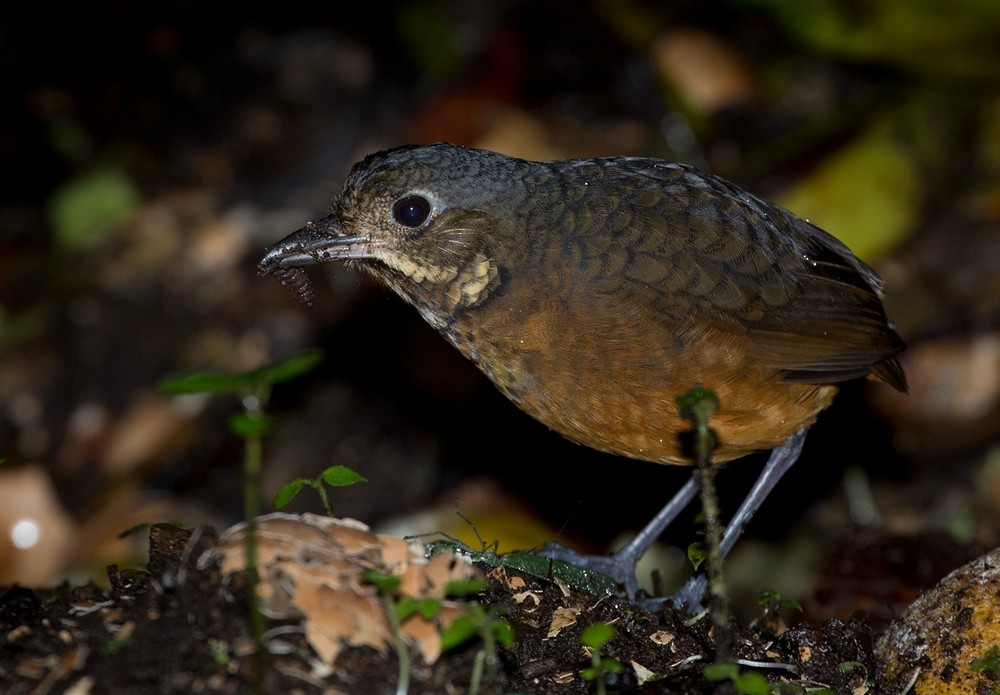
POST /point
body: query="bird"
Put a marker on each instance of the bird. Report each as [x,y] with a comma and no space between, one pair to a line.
[592,292]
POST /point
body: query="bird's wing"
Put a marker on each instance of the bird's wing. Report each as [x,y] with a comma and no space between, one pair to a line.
[705,252]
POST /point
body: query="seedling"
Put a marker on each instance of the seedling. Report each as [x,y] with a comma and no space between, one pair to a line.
[334,476]
[751,683]
[388,587]
[595,637]
[485,623]
[771,601]
[254,389]
[492,630]
[698,405]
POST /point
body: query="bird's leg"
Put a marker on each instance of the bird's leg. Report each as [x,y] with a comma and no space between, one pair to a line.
[620,565]
[781,460]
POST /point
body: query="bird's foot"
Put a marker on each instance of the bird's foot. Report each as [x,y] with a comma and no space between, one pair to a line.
[621,567]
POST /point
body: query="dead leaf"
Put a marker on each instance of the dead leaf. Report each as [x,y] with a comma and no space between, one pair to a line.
[561,618]
[313,567]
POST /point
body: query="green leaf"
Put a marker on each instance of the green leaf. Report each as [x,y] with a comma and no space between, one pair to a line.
[610,664]
[752,684]
[989,663]
[465,587]
[936,39]
[288,491]
[340,476]
[503,632]
[430,37]
[427,608]
[207,381]
[83,210]
[215,381]
[697,554]
[852,666]
[716,673]
[597,635]
[459,632]
[385,583]
[246,426]
[287,369]
[867,194]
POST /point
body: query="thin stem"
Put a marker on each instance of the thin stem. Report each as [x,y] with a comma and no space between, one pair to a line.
[254,404]
[698,405]
[402,653]
[717,596]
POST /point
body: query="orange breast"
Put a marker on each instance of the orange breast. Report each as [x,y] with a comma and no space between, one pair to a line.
[608,377]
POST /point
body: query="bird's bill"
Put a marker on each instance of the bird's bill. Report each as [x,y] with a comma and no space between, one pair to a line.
[318,242]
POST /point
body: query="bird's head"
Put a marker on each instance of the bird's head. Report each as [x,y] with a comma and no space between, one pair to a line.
[425,220]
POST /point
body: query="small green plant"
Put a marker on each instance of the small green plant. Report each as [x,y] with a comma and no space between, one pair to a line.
[485,623]
[116,645]
[698,405]
[254,389]
[220,651]
[334,476]
[388,589]
[772,602]
[750,683]
[594,637]
[988,664]
[773,597]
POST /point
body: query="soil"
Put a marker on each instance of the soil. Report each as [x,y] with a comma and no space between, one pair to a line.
[180,627]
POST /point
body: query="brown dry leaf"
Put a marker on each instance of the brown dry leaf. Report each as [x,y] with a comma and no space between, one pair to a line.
[313,566]
[561,618]
[449,612]
[336,619]
[954,397]
[36,534]
[424,635]
[516,583]
[500,576]
[642,674]
[706,72]
[518,133]
[662,637]
[534,596]
[150,429]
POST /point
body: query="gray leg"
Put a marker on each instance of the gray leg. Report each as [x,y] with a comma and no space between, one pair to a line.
[620,565]
[781,460]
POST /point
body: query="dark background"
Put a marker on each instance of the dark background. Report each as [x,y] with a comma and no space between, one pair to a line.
[153,151]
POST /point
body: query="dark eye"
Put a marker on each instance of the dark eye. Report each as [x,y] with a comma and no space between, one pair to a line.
[411,211]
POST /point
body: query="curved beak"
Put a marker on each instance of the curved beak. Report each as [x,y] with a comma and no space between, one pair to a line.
[317,242]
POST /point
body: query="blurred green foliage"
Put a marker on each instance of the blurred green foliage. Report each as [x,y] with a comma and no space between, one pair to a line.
[429,37]
[941,38]
[867,193]
[84,209]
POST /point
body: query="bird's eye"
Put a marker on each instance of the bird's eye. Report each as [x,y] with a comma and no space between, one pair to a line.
[411,211]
